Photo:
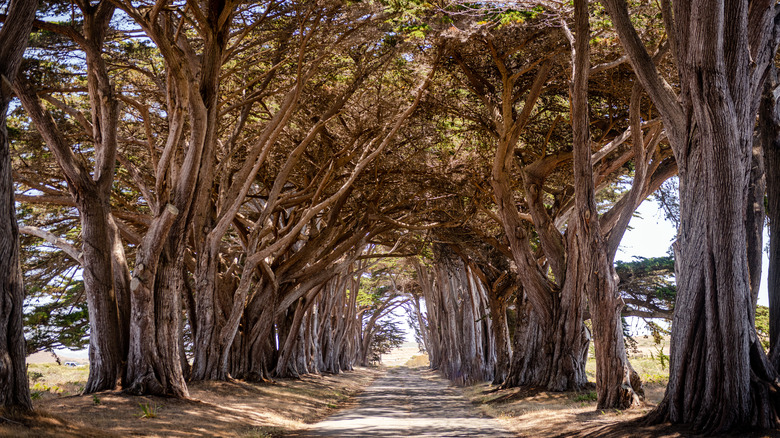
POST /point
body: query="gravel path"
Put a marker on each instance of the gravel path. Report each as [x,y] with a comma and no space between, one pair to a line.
[405,403]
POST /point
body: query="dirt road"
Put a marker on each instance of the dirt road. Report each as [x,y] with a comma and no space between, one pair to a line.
[407,403]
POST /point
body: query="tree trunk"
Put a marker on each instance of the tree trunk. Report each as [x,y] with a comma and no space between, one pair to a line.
[106,340]
[285,365]
[121,273]
[154,360]
[207,346]
[590,270]
[549,352]
[254,346]
[105,267]
[720,378]
[618,386]
[501,339]
[550,344]
[713,311]
[14,390]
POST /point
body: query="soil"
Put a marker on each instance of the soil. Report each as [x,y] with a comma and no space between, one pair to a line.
[405,401]
[532,413]
[216,409]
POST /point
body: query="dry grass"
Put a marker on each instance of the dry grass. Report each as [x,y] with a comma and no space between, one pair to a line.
[538,413]
[49,380]
[535,412]
[43,424]
[216,409]
[417,361]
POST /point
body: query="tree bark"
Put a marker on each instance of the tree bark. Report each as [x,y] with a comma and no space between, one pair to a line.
[590,270]
[105,267]
[720,378]
[549,352]
[154,365]
[14,390]
[501,338]
[106,340]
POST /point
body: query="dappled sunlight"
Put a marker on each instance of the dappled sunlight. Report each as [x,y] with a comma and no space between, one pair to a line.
[216,409]
[537,412]
[409,402]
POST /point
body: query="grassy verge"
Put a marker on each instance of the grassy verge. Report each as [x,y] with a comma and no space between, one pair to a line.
[48,380]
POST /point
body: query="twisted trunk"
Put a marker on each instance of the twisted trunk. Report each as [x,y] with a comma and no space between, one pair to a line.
[14,391]
[501,339]
[550,352]
[710,128]
[154,360]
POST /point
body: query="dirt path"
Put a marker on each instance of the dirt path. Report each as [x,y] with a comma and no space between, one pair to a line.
[409,402]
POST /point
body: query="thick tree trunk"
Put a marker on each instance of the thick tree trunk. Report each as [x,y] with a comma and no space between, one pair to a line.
[551,343]
[286,364]
[14,390]
[720,378]
[106,341]
[618,386]
[713,311]
[501,339]
[549,352]
[121,273]
[209,351]
[254,347]
[466,350]
[154,360]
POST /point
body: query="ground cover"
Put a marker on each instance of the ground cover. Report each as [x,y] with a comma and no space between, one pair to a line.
[533,412]
[216,409]
[290,407]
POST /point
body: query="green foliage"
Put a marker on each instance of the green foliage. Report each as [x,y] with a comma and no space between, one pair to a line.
[34,376]
[148,410]
[95,399]
[518,16]
[660,356]
[762,325]
[56,316]
[417,31]
[388,335]
[648,286]
[589,396]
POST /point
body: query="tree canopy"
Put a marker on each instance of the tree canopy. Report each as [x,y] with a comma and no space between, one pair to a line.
[221,190]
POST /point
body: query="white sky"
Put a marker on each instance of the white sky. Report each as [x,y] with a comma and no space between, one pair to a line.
[652,235]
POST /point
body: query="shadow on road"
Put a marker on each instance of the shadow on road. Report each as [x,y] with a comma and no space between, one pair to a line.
[407,402]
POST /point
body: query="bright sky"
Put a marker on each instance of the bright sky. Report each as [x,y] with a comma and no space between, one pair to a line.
[652,235]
